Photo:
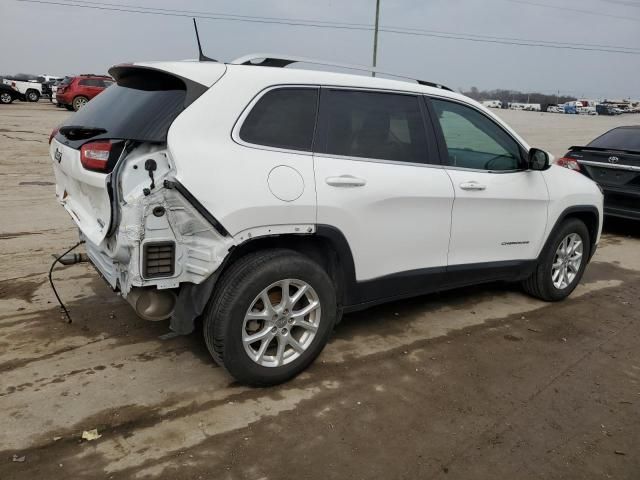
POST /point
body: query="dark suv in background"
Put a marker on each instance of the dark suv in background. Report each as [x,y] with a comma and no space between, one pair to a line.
[79,90]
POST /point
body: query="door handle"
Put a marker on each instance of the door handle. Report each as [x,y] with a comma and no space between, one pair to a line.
[346,181]
[472,186]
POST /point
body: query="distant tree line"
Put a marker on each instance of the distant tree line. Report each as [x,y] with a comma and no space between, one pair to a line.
[513,96]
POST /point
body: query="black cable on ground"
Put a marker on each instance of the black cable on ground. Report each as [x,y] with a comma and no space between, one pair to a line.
[55,292]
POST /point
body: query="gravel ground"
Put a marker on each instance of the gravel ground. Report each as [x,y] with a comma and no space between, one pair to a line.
[482,383]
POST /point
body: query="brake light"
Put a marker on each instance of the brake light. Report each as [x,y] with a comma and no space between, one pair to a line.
[570,163]
[95,155]
[13,84]
[53,134]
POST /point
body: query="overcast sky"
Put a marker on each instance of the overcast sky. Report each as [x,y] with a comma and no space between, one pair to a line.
[55,39]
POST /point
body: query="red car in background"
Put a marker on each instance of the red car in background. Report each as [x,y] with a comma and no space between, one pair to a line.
[77,91]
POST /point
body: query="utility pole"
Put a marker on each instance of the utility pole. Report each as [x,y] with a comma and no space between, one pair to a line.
[375,38]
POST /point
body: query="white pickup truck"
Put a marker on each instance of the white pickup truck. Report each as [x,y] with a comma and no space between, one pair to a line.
[30,90]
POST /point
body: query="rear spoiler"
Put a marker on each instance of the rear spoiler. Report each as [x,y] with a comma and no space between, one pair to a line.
[598,149]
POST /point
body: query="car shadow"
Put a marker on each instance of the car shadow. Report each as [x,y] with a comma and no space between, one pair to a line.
[621,226]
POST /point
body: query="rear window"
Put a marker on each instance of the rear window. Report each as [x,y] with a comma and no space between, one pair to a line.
[283,118]
[621,138]
[140,106]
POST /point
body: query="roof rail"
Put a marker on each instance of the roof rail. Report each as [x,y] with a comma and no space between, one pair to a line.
[275,60]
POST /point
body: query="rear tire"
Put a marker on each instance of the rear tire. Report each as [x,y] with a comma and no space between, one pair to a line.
[79,102]
[558,273]
[32,95]
[289,332]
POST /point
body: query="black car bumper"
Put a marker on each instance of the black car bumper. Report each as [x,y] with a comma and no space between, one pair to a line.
[623,204]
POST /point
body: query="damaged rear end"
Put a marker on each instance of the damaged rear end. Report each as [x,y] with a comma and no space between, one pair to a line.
[115,175]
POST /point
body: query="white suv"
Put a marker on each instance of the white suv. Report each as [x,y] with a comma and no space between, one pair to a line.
[269,201]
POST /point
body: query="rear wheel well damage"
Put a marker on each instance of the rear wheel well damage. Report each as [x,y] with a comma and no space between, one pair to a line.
[320,247]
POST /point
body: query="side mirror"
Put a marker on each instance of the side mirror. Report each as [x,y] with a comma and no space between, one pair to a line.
[538,159]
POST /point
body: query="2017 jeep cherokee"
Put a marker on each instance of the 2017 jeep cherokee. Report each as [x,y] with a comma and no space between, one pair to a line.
[269,201]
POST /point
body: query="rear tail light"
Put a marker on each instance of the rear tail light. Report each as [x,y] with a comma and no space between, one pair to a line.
[570,163]
[53,134]
[95,155]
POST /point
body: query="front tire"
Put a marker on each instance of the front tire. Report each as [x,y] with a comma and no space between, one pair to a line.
[6,98]
[562,263]
[270,316]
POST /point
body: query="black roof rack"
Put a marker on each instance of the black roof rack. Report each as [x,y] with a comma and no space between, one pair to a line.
[280,61]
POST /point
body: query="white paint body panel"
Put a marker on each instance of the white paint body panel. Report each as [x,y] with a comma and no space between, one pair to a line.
[229,179]
[567,189]
[505,221]
[398,221]
[83,193]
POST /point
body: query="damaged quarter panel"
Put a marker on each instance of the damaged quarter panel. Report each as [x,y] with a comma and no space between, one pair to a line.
[162,216]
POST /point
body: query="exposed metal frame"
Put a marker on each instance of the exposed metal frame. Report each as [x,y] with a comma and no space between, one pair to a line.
[281,61]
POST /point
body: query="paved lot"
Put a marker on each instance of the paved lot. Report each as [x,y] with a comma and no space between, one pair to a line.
[477,383]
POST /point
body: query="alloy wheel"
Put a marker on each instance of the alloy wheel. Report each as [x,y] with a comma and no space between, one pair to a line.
[281,323]
[79,103]
[567,261]
[5,98]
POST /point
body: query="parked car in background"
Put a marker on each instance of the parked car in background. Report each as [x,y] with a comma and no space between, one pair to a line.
[47,82]
[29,90]
[339,192]
[613,161]
[75,93]
[555,109]
[8,94]
[604,109]
[586,111]
[54,89]
[492,103]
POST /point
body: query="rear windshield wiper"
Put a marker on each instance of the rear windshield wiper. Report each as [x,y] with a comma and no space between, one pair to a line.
[77,132]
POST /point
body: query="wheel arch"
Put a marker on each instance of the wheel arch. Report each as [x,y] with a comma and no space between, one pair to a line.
[327,246]
[588,214]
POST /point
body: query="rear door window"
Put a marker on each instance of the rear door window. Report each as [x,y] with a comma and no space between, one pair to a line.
[283,118]
[376,125]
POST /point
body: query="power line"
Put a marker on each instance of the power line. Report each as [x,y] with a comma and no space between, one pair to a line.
[363,27]
[577,10]
[175,13]
[218,14]
[522,44]
[627,3]
[525,40]
[331,23]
